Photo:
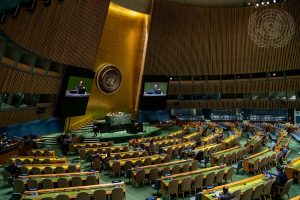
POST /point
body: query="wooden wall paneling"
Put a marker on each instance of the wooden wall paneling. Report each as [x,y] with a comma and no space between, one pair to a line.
[221,44]
[71,29]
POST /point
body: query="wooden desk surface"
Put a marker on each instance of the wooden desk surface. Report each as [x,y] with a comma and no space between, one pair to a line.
[55,177]
[162,165]
[259,156]
[238,185]
[192,174]
[226,152]
[34,151]
[296,198]
[207,146]
[186,144]
[54,159]
[53,166]
[292,167]
[133,160]
[71,191]
[255,139]
[191,136]
[122,154]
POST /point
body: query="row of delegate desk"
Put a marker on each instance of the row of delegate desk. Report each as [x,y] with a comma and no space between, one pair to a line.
[54,178]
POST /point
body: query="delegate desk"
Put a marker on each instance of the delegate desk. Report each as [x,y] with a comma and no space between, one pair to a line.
[41,152]
[42,159]
[282,141]
[42,167]
[230,141]
[207,147]
[75,146]
[130,154]
[54,177]
[242,185]
[192,136]
[256,140]
[180,145]
[259,156]
[209,139]
[134,160]
[71,191]
[292,169]
[146,140]
[296,198]
[161,166]
[167,142]
[214,158]
[85,152]
[192,174]
[178,134]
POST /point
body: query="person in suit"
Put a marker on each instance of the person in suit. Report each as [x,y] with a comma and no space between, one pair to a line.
[80,88]
[281,178]
[282,154]
[226,195]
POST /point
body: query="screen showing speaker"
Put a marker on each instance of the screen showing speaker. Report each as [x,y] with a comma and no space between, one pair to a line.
[154,89]
[75,92]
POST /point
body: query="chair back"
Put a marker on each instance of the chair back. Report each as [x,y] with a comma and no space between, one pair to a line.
[99,195]
[147,161]
[209,180]
[19,186]
[258,191]
[62,183]
[186,168]
[32,184]
[76,181]
[26,161]
[220,176]
[167,159]
[247,194]
[186,184]
[268,187]
[91,180]
[36,171]
[194,166]
[172,187]
[24,170]
[220,160]
[237,194]
[72,169]
[138,163]
[287,187]
[48,170]
[59,170]
[198,183]
[153,175]
[140,176]
[116,167]
[47,183]
[128,165]
[47,161]
[157,160]
[165,170]
[62,197]
[176,169]
[229,174]
[36,161]
[96,165]
[83,196]
[117,194]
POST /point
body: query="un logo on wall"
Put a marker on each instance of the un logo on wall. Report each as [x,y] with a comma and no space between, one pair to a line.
[271,28]
[108,79]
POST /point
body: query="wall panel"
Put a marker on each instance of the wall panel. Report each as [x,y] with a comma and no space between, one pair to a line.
[67,32]
[190,40]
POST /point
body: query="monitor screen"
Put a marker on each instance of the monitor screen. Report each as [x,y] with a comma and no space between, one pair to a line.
[75,92]
[79,86]
[154,89]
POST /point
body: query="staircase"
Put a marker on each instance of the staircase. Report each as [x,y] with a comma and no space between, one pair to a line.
[50,140]
[91,139]
[88,128]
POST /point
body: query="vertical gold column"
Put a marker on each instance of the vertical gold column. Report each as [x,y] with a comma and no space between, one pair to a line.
[122,45]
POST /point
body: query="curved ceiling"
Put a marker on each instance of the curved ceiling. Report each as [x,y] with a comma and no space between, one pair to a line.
[144,5]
